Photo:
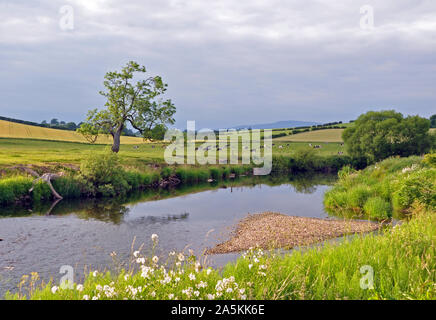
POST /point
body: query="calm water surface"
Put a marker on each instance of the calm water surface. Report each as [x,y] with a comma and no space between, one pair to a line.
[85,233]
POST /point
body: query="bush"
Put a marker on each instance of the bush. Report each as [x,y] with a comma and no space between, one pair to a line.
[215,173]
[358,195]
[181,173]
[417,186]
[377,208]
[103,169]
[166,172]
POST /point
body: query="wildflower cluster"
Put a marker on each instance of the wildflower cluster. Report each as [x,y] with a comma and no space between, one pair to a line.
[179,276]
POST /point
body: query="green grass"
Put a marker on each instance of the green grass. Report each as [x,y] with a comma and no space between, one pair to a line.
[42,152]
[402,261]
[388,188]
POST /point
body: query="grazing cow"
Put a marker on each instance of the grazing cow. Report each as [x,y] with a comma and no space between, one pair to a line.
[135,147]
[280,147]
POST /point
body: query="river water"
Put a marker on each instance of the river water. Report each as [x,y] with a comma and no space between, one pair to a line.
[84,233]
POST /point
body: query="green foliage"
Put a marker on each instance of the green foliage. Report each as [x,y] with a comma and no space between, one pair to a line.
[69,187]
[390,186]
[433,121]
[137,104]
[215,173]
[102,170]
[166,172]
[377,208]
[430,160]
[358,195]
[379,135]
[14,188]
[415,185]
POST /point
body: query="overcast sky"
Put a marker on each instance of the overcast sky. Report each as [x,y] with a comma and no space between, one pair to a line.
[226,62]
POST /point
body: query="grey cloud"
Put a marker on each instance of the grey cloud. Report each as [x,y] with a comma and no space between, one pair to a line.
[226,62]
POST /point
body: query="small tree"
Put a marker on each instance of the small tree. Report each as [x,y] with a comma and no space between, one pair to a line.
[378,135]
[136,104]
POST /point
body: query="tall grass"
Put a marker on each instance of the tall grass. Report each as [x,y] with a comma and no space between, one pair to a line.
[385,189]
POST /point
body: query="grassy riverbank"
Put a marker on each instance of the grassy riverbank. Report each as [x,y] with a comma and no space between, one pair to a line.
[399,263]
[388,188]
[104,174]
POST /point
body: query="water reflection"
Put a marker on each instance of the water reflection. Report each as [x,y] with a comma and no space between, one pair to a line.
[84,232]
[115,209]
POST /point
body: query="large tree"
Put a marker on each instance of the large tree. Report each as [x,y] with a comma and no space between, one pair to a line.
[378,135]
[139,105]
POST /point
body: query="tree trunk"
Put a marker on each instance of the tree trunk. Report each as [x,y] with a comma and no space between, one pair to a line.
[117,139]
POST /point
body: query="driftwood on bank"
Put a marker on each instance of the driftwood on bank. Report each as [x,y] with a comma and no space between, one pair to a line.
[46,177]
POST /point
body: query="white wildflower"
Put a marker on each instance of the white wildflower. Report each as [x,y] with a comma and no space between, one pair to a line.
[54,289]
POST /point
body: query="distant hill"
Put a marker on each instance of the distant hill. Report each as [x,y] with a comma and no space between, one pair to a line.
[278,125]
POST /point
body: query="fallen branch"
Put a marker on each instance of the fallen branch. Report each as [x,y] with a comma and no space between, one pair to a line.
[47,177]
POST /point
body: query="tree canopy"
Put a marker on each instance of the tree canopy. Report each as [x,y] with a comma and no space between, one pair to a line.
[378,135]
[433,121]
[138,104]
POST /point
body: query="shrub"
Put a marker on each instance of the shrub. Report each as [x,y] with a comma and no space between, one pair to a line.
[377,208]
[166,172]
[103,169]
[215,173]
[181,173]
[358,195]
[417,186]
[225,172]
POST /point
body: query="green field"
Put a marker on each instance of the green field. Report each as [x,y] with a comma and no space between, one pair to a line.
[325,135]
[39,152]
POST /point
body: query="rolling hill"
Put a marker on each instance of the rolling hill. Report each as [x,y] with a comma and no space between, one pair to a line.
[17,130]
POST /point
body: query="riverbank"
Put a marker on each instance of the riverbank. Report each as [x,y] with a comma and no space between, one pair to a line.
[103,175]
[270,230]
[386,189]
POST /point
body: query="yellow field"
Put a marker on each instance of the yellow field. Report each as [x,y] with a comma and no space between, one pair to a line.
[18,130]
[326,135]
